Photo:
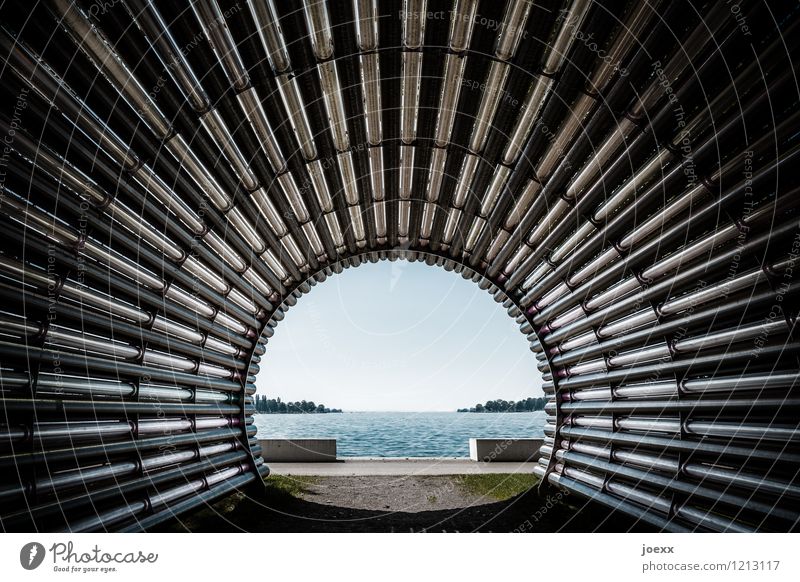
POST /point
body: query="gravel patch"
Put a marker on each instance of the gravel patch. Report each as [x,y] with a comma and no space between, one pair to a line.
[406,494]
[435,503]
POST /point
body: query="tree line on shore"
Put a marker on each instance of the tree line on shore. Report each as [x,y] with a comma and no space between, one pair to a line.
[276,406]
[525,405]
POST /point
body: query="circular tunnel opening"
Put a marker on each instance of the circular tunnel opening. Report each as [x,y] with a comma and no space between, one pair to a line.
[407,340]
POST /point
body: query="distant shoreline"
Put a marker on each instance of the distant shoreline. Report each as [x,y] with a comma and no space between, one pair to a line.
[397,412]
[264,405]
[464,411]
[304,412]
[525,405]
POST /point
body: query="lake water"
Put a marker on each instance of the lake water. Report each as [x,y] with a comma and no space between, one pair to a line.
[402,434]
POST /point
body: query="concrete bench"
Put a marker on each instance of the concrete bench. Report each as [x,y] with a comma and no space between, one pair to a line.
[501,450]
[298,450]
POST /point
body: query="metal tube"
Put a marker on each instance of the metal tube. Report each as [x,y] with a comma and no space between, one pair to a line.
[641,242]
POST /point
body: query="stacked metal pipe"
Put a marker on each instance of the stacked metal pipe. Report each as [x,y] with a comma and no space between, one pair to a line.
[619,176]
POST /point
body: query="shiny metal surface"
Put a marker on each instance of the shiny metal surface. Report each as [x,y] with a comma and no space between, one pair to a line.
[174,179]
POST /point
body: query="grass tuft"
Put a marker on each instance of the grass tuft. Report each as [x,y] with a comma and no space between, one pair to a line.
[287,486]
[500,486]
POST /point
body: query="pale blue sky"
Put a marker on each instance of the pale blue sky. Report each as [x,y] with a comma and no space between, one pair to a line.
[398,336]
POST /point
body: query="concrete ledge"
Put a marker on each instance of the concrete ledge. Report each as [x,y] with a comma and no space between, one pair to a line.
[396,467]
[504,450]
[298,450]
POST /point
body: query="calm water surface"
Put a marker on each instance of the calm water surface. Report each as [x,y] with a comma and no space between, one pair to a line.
[401,434]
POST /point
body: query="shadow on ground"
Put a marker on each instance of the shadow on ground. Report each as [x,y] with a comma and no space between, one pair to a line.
[337,505]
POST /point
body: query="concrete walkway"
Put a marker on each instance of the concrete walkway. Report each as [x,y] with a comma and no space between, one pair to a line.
[356,466]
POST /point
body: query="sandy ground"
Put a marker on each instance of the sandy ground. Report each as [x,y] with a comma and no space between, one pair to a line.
[407,493]
[399,504]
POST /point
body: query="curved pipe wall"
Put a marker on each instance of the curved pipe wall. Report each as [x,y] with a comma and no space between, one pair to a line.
[621,177]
